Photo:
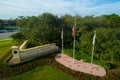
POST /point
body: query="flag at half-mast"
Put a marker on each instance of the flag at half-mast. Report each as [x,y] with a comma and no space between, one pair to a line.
[62,34]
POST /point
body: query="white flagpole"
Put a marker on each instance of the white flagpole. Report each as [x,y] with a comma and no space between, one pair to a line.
[93,48]
[74,42]
[62,39]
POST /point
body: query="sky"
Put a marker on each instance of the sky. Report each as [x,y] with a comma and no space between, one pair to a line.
[14,8]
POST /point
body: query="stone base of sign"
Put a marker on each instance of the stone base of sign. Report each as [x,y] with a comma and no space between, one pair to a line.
[14,60]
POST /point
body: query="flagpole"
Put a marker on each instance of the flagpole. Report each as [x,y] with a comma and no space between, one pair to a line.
[93,48]
[74,42]
[62,39]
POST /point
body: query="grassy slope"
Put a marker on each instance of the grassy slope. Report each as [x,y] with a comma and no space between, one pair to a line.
[43,73]
[39,73]
[5,46]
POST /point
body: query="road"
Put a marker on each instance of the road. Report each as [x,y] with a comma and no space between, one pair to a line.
[6,35]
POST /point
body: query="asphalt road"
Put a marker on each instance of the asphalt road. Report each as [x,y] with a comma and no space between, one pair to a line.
[6,35]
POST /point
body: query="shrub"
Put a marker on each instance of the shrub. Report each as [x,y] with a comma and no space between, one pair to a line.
[18,37]
[5,62]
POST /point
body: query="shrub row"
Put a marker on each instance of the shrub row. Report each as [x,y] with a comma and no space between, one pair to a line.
[5,56]
[6,60]
[11,71]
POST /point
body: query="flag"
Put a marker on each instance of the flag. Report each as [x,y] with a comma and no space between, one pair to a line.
[62,34]
[73,35]
[73,31]
[94,37]
[93,48]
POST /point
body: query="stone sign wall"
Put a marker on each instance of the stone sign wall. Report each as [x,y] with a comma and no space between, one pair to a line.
[22,53]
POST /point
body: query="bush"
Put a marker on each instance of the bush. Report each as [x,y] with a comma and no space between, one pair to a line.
[18,37]
[68,52]
[5,56]
[103,64]
[5,62]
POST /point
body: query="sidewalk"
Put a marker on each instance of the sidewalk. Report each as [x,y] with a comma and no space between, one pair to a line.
[81,66]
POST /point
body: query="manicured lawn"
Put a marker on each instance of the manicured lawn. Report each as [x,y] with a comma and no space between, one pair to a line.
[44,73]
[5,46]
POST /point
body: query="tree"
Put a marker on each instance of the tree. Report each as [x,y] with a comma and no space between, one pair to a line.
[46,28]
[18,37]
[1,24]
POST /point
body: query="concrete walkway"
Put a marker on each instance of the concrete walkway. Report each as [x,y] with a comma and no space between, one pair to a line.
[81,66]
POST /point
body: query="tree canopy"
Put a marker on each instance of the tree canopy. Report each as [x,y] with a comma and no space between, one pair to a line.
[46,28]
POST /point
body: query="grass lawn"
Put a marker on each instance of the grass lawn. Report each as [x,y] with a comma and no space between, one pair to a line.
[5,45]
[43,73]
[39,73]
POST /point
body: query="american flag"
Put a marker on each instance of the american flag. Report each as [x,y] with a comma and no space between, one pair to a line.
[73,31]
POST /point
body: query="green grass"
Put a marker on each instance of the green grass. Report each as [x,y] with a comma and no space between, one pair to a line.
[5,45]
[5,39]
[43,73]
[69,52]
